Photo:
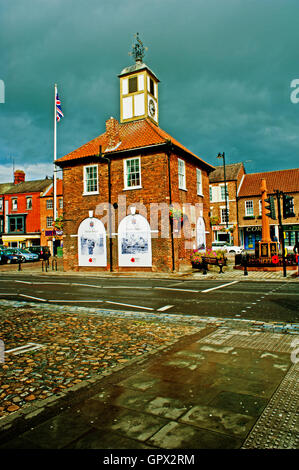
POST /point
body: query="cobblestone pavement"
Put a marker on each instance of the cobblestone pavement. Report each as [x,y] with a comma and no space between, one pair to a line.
[153,383]
[67,349]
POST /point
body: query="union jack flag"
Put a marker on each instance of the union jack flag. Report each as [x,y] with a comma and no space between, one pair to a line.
[59,113]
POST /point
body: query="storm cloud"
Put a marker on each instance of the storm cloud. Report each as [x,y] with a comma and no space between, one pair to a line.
[225,68]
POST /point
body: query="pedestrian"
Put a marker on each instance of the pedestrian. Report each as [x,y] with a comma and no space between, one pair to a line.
[296,247]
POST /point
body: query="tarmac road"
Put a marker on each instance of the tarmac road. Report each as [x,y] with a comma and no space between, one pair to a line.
[245,299]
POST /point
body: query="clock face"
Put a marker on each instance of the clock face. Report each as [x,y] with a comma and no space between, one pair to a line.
[152,108]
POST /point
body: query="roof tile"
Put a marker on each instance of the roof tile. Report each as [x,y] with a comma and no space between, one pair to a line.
[132,135]
[284,180]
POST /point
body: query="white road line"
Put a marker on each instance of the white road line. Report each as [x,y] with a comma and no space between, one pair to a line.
[54,283]
[125,287]
[179,290]
[128,305]
[166,307]
[25,348]
[85,285]
[220,287]
[31,297]
[42,283]
[77,301]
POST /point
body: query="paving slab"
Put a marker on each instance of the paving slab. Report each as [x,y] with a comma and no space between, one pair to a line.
[217,388]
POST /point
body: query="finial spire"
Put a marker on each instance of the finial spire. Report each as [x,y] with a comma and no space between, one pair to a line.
[138,49]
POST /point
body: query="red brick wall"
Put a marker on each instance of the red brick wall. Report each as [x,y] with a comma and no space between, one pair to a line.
[33,215]
[44,213]
[155,189]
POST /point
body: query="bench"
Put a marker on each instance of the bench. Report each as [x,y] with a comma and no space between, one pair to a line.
[212,261]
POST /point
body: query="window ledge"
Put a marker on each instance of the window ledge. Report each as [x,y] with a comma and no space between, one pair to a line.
[183,189]
[91,193]
[201,195]
[132,187]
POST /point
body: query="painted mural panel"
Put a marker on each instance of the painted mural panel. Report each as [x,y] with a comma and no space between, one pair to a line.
[92,243]
[134,242]
[201,233]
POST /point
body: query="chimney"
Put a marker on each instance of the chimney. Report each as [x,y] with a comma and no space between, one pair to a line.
[112,132]
[19,176]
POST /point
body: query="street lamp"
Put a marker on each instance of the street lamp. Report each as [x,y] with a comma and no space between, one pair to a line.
[222,155]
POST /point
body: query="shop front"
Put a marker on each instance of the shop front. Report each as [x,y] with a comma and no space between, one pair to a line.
[222,234]
[291,235]
[20,241]
[250,236]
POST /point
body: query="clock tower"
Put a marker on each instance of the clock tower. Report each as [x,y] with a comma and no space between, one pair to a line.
[138,89]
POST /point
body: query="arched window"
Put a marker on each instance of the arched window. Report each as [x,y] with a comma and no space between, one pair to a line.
[201,234]
[92,243]
[134,242]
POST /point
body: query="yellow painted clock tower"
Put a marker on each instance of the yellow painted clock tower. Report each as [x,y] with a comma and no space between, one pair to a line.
[138,89]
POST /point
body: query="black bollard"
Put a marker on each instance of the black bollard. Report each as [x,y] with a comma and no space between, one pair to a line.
[245,265]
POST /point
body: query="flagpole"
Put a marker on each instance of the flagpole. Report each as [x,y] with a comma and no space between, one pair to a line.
[55,152]
[55,156]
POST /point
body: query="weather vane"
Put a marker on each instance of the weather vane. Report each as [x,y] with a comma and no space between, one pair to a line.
[138,49]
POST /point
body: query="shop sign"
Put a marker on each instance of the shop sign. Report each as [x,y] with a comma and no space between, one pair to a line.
[291,228]
[253,229]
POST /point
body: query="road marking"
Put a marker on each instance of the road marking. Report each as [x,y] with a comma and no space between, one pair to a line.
[179,290]
[125,287]
[166,307]
[31,297]
[220,287]
[177,284]
[26,348]
[85,285]
[128,305]
[77,301]
[24,282]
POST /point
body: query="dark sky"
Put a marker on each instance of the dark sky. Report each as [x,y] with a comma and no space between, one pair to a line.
[225,68]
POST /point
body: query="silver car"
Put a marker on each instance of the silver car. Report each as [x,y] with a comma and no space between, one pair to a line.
[26,255]
[227,248]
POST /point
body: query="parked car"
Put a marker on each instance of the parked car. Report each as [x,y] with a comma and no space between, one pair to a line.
[227,247]
[43,252]
[9,255]
[26,255]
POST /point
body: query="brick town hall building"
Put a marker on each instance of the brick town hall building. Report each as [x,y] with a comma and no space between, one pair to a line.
[117,186]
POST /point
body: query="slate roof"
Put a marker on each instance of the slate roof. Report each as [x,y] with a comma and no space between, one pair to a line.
[284,180]
[5,187]
[26,186]
[49,192]
[231,173]
[132,135]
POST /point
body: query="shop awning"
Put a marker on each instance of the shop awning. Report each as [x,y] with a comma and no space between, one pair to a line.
[18,238]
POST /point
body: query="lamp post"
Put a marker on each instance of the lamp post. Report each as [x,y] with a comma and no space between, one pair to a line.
[222,155]
[102,157]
